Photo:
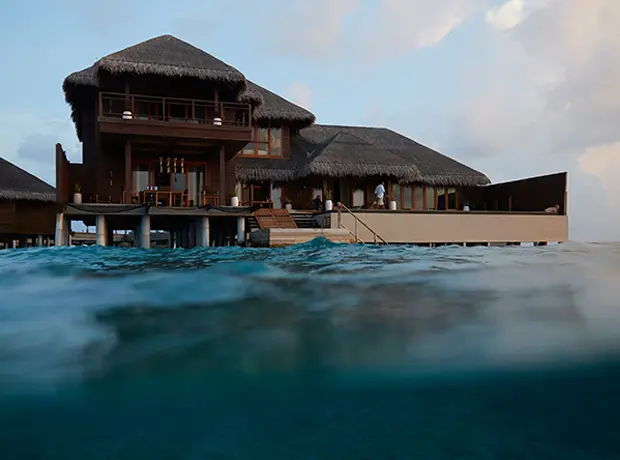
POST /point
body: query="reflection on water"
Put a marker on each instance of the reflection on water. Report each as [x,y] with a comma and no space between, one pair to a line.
[313,351]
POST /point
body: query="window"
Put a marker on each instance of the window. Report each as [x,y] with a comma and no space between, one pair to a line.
[407,204]
[418,198]
[396,195]
[265,142]
[451,198]
[441,199]
[430,198]
[140,178]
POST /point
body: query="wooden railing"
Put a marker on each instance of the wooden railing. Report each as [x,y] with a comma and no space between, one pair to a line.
[357,220]
[174,110]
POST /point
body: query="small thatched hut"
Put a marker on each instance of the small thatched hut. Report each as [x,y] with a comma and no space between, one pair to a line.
[27,207]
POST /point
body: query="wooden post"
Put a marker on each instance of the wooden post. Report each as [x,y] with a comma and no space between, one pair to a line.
[128,185]
[222,176]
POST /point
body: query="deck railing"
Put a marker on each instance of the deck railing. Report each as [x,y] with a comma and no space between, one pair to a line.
[356,220]
[174,110]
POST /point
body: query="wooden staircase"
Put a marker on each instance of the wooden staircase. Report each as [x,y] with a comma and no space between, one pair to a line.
[274,218]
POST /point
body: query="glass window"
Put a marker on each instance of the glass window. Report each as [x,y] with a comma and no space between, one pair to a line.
[358,198]
[441,199]
[430,198]
[196,176]
[140,178]
[451,198]
[396,195]
[262,135]
[275,142]
[407,199]
[179,182]
[418,198]
[249,149]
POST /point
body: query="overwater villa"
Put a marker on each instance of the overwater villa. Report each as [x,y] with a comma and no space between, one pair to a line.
[176,140]
[28,208]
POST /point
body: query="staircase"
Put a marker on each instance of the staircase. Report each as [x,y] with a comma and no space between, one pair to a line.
[274,218]
[304,220]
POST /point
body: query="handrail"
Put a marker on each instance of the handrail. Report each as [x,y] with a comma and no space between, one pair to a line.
[356,220]
[174,99]
[354,235]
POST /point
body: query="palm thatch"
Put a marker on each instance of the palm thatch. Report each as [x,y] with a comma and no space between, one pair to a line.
[341,151]
[17,184]
[170,57]
[346,155]
[276,109]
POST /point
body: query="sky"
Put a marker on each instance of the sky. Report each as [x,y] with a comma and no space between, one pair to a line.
[512,88]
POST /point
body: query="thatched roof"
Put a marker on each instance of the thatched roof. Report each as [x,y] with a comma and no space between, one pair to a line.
[276,109]
[170,57]
[17,184]
[340,151]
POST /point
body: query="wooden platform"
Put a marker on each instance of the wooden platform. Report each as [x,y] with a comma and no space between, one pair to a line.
[278,237]
[269,218]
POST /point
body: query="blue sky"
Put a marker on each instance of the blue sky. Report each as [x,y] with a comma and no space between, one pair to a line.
[511,87]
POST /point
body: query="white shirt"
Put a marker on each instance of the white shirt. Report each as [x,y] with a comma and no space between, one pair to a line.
[380,191]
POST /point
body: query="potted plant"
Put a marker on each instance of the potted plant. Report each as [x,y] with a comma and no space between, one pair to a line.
[77,194]
[234,200]
[328,200]
[289,204]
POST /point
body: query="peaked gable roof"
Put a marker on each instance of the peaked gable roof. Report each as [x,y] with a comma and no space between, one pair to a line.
[17,184]
[164,55]
[276,108]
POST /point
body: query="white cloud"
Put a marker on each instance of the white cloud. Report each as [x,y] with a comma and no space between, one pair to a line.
[300,94]
[551,103]
[506,16]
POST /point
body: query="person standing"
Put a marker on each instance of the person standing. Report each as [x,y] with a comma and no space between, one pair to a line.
[380,193]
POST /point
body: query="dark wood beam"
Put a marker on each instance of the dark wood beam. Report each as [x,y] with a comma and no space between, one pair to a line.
[222,175]
[127,197]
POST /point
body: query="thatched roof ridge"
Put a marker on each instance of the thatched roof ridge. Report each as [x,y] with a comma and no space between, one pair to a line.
[168,56]
[17,184]
[276,108]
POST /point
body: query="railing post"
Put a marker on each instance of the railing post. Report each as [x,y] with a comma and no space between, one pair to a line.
[339,215]
[356,237]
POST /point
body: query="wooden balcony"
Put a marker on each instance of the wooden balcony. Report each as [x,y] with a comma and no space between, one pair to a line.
[132,114]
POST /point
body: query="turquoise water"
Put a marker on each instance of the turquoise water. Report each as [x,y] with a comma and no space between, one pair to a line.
[317,351]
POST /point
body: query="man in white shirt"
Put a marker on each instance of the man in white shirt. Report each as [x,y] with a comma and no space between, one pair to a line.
[380,192]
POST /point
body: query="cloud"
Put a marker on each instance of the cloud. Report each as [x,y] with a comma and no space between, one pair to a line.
[312,28]
[548,101]
[29,142]
[300,94]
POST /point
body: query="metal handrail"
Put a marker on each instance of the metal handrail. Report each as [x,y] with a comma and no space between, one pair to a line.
[356,220]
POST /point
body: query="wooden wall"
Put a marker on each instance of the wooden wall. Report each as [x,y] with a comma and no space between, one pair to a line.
[24,217]
[526,195]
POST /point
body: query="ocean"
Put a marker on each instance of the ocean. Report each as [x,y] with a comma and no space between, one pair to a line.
[315,351]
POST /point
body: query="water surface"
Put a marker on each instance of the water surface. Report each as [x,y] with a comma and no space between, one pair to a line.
[316,351]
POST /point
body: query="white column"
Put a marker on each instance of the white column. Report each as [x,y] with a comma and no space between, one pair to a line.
[59,239]
[66,230]
[145,232]
[40,240]
[240,230]
[102,234]
[202,232]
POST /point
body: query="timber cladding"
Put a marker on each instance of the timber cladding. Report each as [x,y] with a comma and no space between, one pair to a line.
[24,217]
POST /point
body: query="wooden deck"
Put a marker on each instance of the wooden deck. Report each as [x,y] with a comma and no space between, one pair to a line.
[278,237]
[269,218]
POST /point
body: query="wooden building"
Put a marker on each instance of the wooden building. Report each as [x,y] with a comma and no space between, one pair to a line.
[172,136]
[27,208]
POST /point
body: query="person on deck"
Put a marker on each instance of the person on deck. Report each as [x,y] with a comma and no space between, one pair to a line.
[553,209]
[380,192]
[318,203]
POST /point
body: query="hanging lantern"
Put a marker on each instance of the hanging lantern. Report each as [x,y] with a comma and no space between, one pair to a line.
[182,165]
[168,164]
[161,165]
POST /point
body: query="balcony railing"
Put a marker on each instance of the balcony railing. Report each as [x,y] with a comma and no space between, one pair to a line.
[174,110]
